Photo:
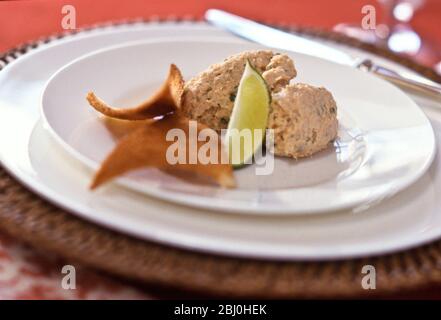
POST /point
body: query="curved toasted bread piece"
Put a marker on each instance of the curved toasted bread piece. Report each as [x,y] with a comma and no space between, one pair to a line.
[147,146]
[166,100]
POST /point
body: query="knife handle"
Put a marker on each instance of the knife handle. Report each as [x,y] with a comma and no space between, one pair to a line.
[403,82]
[416,87]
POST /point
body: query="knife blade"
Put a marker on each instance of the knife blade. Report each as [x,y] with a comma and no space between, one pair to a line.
[274,38]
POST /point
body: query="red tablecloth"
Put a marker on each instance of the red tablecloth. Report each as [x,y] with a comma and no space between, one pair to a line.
[26,273]
[26,20]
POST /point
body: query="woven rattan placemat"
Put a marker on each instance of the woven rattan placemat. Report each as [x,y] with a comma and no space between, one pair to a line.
[26,216]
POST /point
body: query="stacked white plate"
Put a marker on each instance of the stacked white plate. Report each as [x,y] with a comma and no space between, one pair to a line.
[373,192]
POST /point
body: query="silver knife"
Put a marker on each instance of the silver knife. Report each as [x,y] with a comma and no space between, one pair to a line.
[279,39]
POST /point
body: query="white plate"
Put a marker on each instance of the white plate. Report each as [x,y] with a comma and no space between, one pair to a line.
[376,155]
[410,218]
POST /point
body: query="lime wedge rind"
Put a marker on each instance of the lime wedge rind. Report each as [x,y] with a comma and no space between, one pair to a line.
[248,121]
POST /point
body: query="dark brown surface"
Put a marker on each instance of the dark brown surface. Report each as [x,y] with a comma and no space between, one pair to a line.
[35,221]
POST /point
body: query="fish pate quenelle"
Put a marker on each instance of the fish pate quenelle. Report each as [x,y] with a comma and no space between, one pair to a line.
[303,117]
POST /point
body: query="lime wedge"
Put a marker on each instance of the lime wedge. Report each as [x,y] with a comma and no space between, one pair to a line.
[246,128]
